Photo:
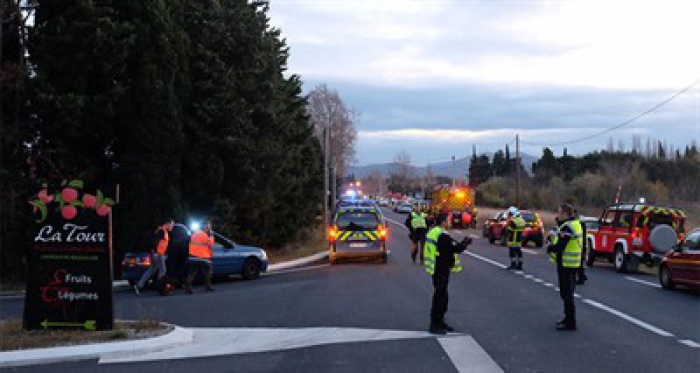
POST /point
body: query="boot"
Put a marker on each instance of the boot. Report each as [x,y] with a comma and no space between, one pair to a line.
[519,266]
[447,327]
[437,329]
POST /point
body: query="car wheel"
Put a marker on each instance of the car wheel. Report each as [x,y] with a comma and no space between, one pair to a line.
[590,260]
[251,269]
[539,243]
[492,239]
[132,282]
[621,260]
[665,278]
[332,258]
[384,258]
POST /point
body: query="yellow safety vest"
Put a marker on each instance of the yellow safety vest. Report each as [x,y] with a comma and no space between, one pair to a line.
[515,239]
[571,257]
[418,221]
[430,252]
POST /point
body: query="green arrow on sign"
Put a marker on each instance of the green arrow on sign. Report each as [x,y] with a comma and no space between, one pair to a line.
[88,324]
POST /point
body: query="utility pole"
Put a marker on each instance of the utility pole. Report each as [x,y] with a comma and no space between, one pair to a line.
[334,187]
[326,133]
[453,172]
[517,170]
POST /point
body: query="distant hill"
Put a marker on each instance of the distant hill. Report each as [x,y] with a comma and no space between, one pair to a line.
[438,169]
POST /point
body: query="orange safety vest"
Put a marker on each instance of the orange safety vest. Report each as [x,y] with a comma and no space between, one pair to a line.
[200,245]
[163,243]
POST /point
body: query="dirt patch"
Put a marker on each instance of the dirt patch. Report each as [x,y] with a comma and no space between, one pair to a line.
[309,242]
[16,338]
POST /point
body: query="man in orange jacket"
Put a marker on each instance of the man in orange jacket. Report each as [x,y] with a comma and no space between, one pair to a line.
[200,258]
[157,255]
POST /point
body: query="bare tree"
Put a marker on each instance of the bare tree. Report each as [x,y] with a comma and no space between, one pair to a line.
[327,110]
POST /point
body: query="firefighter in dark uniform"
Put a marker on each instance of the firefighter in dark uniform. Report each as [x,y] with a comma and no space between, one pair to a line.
[441,256]
[418,228]
[565,251]
[514,238]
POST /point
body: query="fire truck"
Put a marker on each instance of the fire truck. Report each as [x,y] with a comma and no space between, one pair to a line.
[457,202]
[627,231]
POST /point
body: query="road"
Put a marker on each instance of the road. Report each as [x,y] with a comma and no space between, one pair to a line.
[373,317]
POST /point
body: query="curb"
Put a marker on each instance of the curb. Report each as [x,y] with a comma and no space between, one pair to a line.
[40,356]
[297,262]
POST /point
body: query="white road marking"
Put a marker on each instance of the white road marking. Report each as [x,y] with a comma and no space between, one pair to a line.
[629,318]
[487,260]
[529,277]
[548,284]
[530,251]
[539,280]
[577,296]
[690,343]
[232,341]
[467,355]
[293,270]
[643,282]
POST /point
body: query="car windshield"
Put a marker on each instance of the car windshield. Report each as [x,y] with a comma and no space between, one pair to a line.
[529,217]
[357,221]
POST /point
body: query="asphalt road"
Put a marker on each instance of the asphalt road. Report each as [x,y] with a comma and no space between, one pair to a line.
[625,324]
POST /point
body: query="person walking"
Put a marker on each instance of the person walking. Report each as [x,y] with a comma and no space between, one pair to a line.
[441,257]
[200,258]
[418,228]
[157,255]
[514,238]
[565,252]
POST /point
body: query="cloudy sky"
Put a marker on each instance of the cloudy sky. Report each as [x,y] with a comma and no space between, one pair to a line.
[435,77]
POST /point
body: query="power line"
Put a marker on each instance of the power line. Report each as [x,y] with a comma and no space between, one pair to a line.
[623,124]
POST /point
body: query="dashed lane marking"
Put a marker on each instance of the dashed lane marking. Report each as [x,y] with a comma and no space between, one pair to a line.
[602,306]
[530,251]
[629,318]
[468,356]
[643,282]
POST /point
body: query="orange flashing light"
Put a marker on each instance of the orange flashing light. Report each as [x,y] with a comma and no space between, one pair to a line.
[383,232]
[333,233]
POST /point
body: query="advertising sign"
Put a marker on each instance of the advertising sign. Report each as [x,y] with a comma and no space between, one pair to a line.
[69,284]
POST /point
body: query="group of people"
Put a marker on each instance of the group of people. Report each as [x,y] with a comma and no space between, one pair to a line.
[197,261]
[440,257]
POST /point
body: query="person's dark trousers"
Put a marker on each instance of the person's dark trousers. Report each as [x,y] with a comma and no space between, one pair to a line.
[419,236]
[195,266]
[440,297]
[516,257]
[567,286]
[581,273]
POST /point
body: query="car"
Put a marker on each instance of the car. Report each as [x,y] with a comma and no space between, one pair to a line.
[228,258]
[494,228]
[681,265]
[383,202]
[623,237]
[403,208]
[357,232]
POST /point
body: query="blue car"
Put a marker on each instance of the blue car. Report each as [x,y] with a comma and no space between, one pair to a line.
[228,259]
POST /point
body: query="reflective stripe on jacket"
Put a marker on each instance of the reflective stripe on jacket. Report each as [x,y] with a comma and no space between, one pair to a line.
[200,245]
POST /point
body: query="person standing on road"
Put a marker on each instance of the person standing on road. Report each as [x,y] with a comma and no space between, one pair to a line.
[565,252]
[200,258]
[581,277]
[418,228]
[157,255]
[441,256]
[514,235]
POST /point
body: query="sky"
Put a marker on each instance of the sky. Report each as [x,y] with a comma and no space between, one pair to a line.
[434,78]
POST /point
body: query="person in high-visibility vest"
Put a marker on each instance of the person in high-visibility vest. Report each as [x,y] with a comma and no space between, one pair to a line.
[157,255]
[418,228]
[441,257]
[514,238]
[200,258]
[565,251]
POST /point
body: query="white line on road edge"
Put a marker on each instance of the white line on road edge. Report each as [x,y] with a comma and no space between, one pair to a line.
[530,251]
[629,318]
[487,260]
[294,270]
[647,283]
[690,343]
[467,355]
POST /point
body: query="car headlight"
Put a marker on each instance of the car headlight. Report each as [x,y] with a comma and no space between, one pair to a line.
[263,254]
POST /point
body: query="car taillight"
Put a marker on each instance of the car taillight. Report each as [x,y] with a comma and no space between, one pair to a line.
[333,233]
[383,232]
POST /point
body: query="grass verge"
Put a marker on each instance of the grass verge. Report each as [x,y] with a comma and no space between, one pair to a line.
[308,242]
[14,337]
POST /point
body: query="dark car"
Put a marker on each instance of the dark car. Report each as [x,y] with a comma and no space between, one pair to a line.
[357,232]
[681,266]
[229,258]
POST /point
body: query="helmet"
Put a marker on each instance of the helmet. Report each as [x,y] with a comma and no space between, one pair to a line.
[512,210]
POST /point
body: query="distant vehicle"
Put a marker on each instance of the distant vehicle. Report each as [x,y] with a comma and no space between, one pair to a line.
[357,232]
[494,229]
[228,259]
[623,237]
[681,265]
[403,208]
[383,202]
[457,202]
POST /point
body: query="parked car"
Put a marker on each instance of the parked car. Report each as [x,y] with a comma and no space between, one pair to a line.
[623,237]
[357,232]
[403,208]
[228,259]
[495,228]
[681,266]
